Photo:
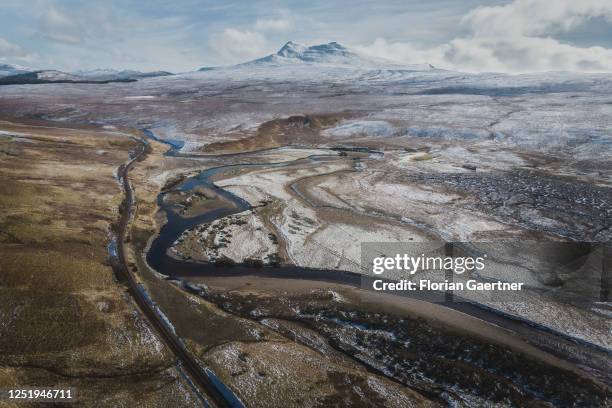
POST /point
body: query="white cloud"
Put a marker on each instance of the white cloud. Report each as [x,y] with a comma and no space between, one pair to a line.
[93,35]
[274,24]
[8,49]
[234,45]
[56,18]
[57,26]
[516,37]
[536,17]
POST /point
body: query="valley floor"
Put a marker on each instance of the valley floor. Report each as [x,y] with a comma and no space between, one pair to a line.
[314,163]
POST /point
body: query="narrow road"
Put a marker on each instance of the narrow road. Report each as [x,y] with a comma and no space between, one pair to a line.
[197,374]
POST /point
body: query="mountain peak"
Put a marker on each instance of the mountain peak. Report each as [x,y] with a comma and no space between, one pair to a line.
[290,50]
[331,47]
[315,52]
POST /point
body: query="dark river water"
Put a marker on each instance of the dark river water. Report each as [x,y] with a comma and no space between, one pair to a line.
[161,261]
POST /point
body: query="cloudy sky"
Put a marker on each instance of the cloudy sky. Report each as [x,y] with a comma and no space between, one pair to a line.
[182,35]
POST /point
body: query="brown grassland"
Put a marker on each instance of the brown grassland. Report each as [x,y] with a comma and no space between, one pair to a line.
[65,321]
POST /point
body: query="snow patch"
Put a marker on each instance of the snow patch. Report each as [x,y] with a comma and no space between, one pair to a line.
[374,128]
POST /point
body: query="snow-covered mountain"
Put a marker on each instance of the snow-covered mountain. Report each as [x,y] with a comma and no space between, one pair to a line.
[7,70]
[322,63]
[330,54]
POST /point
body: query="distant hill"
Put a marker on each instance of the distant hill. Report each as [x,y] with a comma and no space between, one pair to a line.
[100,76]
[8,70]
[113,74]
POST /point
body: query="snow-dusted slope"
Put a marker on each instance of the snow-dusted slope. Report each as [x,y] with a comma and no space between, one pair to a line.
[52,75]
[113,74]
[551,111]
